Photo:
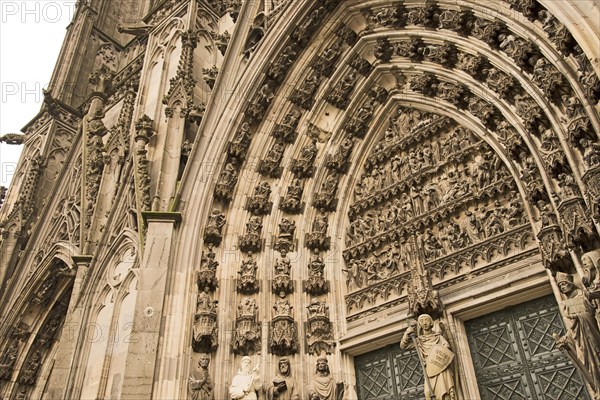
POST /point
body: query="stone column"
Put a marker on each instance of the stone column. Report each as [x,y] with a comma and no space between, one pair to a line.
[155,267]
[60,382]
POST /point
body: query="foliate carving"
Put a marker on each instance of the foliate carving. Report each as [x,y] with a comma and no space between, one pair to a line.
[282,281]
[210,75]
[286,130]
[474,65]
[94,167]
[221,41]
[247,332]
[340,160]
[576,222]
[590,152]
[247,282]
[259,203]
[578,123]
[393,16]
[445,54]
[425,84]
[304,95]
[285,239]
[508,136]
[588,78]
[558,33]
[325,63]
[460,22]
[251,241]
[412,49]
[238,147]
[455,94]
[529,8]
[283,335]
[31,368]
[550,80]
[207,275]
[303,166]
[47,333]
[279,69]
[345,33]
[292,202]
[483,110]
[531,113]
[317,239]
[316,284]
[523,52]
[319,329]
[144,132]
[340,94]
[488,31]
[212,234]
[227,181]
[205,323]
[426,16]
[384,50]
[592,181]
[271,165]
[325,199]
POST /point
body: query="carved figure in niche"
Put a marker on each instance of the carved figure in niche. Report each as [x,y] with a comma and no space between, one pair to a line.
[319,332]
[432,246]
[325,63]
[305,31]
[591,265]
[582,340]
[259,203]
[547,215]
[323,386]
[292,202]
[286,130]
[436,354]
[207,276]
[317,239]
[200,383]
[251,241]
[284,386]
[247,333]
[305,94]
[278,70]
[325,200]
[261,101]
[283,338]
[282,282]
[339,161]
[591,152]
[205,323]
[247,280]
[340,95]
[567,185]
[316,284]
[7,362]
[270,165]
[246,383]
[239,145]
[303,166]
[227,182]
[285,240]
[31,368]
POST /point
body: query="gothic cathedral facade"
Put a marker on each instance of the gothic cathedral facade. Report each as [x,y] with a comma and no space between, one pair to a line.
[358,199]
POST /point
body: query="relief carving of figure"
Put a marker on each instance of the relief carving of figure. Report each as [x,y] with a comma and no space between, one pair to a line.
[339,161]
[284,386]
[292,202]
[205,328]
[590,262]
[303,166]
[247,280]
[316,283]
[216,221]
[323,386]
[7,362]
[200,383]
[436,355]
[251,241]
[246,383]
[582,340]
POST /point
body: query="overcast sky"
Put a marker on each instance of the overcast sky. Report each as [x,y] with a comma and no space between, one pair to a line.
[31,35]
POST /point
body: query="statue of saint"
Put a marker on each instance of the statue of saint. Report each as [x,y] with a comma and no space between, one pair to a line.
[246,382]
[323,386]
[582,341]
[436,355]
[284,386]
[200,383]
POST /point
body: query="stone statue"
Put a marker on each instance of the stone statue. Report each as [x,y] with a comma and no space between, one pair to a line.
[323,386]
[436,356]
[284,386]
[200,383]
[246,382]
[582,341]
[591,265]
